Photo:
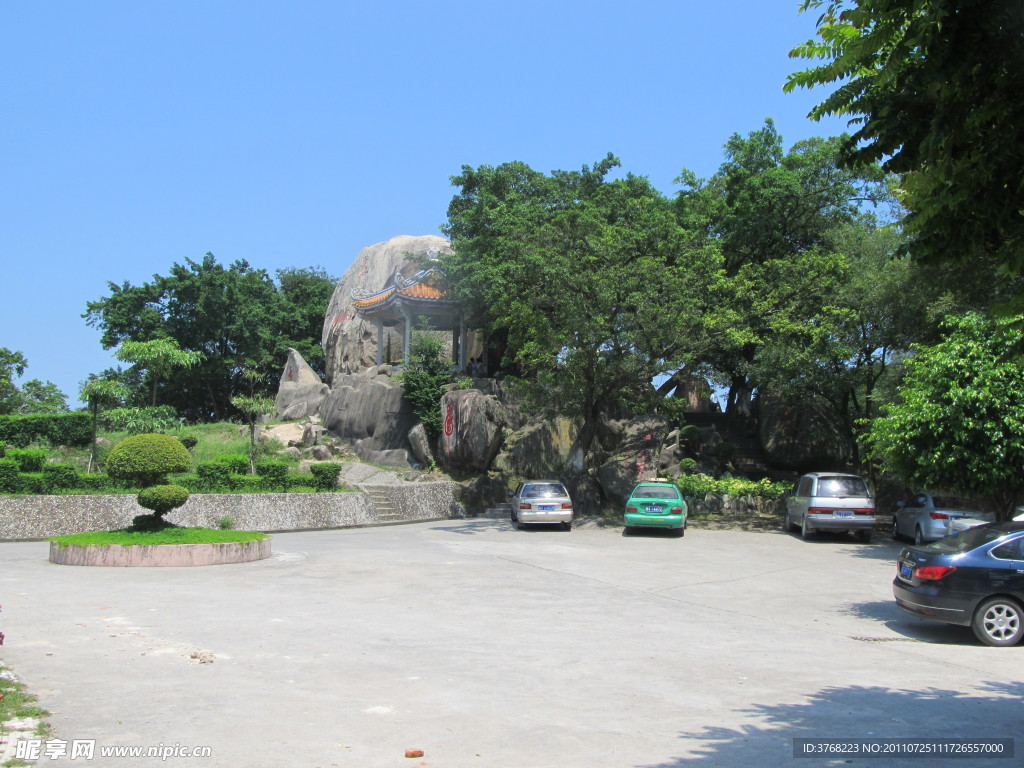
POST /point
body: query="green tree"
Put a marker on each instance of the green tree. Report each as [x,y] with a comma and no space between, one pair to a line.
[935,88]
[235,316]
[775,217]
[959,423]
[12,365]
[306,293]
[158,357]
[100,392]
[425,378]
[589,281]
[35,396]
[252,409]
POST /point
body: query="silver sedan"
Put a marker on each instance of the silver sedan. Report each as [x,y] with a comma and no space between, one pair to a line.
[927,517]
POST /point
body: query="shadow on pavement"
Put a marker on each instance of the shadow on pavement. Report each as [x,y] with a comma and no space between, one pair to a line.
[858,712]
[910,627]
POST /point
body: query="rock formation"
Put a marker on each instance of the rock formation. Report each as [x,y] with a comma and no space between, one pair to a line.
[301,391]
[349,342]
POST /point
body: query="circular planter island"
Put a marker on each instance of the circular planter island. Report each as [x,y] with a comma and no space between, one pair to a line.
[102,549]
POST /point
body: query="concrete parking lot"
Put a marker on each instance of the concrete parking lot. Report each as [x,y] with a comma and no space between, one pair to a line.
[485,646]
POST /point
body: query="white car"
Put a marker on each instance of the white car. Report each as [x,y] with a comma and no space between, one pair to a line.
[927,517]
[955,526]
[541,501]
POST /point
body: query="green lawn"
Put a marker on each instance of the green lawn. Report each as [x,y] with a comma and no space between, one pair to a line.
[166,536]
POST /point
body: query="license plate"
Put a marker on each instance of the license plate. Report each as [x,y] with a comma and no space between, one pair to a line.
[654,510]
[546,507]
[837,513]
[906,572]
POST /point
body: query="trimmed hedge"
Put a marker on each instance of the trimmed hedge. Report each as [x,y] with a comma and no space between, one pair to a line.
[29,459]
[10,479]
[73,429]
[274,474]
[325,475]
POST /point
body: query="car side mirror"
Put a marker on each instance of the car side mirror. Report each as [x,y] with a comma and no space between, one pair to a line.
[901,504]
[511,494]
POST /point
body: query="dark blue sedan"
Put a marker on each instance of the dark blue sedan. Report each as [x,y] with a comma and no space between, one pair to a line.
[974,578]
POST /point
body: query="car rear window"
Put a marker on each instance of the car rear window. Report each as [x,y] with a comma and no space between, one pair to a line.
[656,492]
[967,540]
[841,486]
[543,491]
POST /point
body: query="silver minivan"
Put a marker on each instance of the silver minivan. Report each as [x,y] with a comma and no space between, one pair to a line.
[831,501]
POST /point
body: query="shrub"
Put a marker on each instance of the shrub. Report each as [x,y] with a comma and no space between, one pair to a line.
[136,421]
[689,466]
[237,463]
[690,437]
[724,451]
[29,460]
[225,523]
[699,486]
[146,459]
[274,474]
[189,441]
[61,475]
[325,475]
[214,475]
[10,481]
[161,499]
[35,483]
[246,483]
[53,428]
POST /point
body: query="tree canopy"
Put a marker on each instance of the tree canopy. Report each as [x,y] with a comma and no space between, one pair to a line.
[577,273]
[235,317]
[777,218]
[935,87]
[33,396]
[958,423]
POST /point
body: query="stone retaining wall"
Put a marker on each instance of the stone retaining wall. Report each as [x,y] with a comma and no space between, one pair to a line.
[39,517]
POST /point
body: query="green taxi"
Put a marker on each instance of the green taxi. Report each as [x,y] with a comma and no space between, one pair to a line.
[656,504]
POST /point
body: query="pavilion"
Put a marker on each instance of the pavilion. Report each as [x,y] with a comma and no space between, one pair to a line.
[407,302]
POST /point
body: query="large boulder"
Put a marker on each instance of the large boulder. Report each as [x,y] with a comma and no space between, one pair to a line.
[300,391]
[368,410]
[802,437]
[472,431]
[636,457]
[349,342]
[539,450]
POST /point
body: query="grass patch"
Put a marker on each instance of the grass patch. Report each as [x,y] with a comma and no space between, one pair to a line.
[126,538]
[17,704]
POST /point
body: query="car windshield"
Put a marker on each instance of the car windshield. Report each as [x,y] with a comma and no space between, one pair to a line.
[967,540]
[543,491]
[656,492]
[842,486]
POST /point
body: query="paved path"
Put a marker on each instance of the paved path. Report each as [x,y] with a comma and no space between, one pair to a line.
[489,647]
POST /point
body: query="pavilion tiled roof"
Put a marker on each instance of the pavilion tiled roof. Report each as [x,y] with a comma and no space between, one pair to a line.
[422,288]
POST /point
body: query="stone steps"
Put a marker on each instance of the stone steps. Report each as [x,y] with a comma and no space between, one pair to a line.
[499,512]
[382,505]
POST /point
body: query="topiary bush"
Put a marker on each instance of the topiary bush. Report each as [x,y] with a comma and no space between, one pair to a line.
[61,476]
[214,476]
[325,475]
[161,499]
[189,441]
[690,437]
[688,466]
[724,451]
[147,459]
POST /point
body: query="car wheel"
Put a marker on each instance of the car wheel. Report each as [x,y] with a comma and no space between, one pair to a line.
[567,526]
[627,530]
[805,530]
[516,524]
[999,622]
[896,531]
[787,524]
[918,536]
[865,535]
[680,531]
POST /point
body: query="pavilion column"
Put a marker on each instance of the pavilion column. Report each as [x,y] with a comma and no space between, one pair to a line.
[380,341]
[462,342]
[407,336]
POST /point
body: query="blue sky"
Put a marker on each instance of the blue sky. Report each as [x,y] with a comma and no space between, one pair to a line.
[139,134]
